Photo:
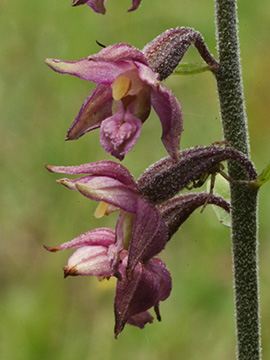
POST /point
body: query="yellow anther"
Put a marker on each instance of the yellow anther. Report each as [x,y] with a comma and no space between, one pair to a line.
[120,87]
[101,210]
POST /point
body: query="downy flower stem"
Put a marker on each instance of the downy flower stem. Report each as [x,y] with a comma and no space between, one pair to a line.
[243,199]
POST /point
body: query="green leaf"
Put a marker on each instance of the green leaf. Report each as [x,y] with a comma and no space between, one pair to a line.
[222,189]
[263,177]
[191,68]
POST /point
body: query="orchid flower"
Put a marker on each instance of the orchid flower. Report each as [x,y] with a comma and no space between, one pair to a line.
[122,100]
[98,5]
[149,284]
[126,253]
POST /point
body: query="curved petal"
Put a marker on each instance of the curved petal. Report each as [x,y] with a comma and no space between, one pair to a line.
[97,6]
[78,2]
[119,133]
[102,236]
[149,235]
[141,319]
[158,267]
[88,261]
[71,183]
[100,168]
[134,296]
[101,72]
[135,5]
[96,108]
[147,75]
[111,191]
[118,52]
[170,114]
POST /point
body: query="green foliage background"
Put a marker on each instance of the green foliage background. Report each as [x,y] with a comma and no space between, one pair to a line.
[46,317]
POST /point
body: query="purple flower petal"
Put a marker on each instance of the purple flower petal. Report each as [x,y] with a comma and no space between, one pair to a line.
[149,235]
[72,184]
[170,113]
[118,52]
[78,2]
[119,133]
[135,5]
[96,108]
[89,261]
[102,236]
[157,267]
[111,191]
[99,168]
[147,75]
[140,320]
[97,6]
[101,72]
[135,296]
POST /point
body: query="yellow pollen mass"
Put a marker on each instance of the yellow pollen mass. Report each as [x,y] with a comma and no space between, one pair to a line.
[120,87]
[101,210]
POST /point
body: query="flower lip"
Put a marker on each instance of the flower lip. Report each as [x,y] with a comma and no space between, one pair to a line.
[119,133]
[88,261]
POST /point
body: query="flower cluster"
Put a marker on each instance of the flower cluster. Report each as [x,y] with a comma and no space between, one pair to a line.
[126,252]
[129,84]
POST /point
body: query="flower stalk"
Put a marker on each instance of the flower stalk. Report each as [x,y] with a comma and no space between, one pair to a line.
[243,199]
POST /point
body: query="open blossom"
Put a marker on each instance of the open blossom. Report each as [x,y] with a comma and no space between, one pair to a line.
[126,253]
[141,232]
[149,283]
[122,100]
[98,5]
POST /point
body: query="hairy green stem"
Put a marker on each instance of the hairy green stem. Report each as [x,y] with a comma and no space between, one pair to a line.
[243,199]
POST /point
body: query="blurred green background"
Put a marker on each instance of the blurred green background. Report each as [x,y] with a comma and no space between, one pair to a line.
[46,317]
